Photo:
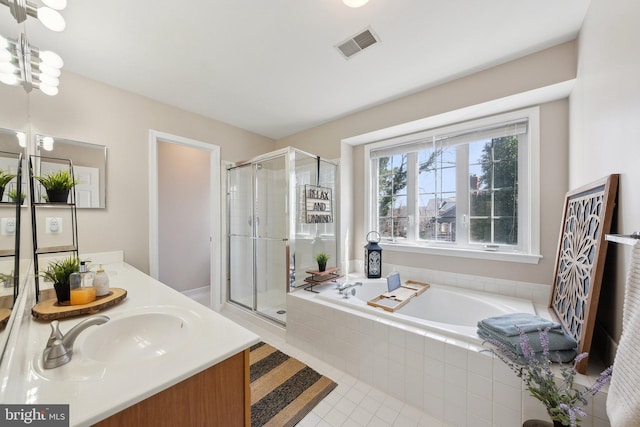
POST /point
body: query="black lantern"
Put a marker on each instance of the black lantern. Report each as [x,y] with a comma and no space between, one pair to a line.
[373,257]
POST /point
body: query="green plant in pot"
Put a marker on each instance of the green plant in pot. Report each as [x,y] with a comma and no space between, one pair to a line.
[58,272]
[322,259]
[57,184]
[13,196]
[5,178]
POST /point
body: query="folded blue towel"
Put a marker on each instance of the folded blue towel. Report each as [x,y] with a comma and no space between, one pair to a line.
[558,356]
[558,340]
[506,324]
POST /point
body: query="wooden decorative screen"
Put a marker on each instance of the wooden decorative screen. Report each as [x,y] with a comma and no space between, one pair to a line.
[582,249]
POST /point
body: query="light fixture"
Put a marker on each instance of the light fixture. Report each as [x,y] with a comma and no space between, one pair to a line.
[22,139]
[45,142]
[50,18]
[23,64]
[355,3]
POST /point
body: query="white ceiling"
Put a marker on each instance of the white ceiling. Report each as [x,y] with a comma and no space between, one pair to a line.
[270,66]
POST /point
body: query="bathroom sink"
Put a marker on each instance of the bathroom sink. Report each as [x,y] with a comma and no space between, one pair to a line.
[135,337]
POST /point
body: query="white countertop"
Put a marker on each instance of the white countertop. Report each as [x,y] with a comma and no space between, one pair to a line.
[96,390]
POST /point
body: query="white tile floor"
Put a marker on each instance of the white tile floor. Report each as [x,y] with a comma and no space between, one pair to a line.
[352,403]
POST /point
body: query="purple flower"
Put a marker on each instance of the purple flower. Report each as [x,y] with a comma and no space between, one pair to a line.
[525,345]
[544,340]
[564,403]
[603,379]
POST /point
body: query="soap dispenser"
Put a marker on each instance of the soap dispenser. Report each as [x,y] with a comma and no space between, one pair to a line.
[101,282]
[81,284]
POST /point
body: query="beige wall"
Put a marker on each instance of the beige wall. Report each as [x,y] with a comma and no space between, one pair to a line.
[86,110]
[547,67]
[605,130]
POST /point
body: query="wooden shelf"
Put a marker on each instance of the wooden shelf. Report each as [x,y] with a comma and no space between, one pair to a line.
[53,204]
[7,252]
[318,277]
[56,249]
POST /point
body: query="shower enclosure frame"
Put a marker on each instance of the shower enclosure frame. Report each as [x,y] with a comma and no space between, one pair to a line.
[236,198]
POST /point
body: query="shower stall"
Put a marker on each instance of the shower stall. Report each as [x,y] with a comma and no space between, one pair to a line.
[273,237]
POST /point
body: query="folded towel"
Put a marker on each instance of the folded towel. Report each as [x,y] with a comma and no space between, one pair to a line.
[563,355]
[506,324]
[558,340]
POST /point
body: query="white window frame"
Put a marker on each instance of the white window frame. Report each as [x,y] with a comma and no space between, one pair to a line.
[528,250]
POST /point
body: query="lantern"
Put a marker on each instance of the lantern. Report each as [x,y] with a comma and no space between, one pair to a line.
[373,257]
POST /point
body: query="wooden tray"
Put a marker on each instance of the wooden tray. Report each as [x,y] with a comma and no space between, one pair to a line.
[51,310]
[4,317]
[391,301]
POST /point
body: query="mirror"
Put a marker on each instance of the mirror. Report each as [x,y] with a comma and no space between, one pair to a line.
[11,186]
[89,167]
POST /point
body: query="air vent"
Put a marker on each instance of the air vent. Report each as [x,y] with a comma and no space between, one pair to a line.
[358,43]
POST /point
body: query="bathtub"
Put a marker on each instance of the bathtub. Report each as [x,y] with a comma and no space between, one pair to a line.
[447,310]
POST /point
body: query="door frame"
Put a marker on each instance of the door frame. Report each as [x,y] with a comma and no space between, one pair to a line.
[215,206]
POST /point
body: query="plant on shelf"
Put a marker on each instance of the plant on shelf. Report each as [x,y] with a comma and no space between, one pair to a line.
[57,184]
[564,403]
[58,272]
[5,178]
[13,196]
[322,259]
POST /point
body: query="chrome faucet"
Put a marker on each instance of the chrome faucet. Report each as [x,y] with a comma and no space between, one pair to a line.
[59,347]
[343,288]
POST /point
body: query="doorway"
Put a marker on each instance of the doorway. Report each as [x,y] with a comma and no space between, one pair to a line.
[184,210]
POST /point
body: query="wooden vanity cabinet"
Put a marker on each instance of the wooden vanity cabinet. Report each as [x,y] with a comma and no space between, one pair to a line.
[217,396]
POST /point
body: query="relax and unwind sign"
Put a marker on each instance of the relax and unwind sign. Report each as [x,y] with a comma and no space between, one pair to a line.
[318,205]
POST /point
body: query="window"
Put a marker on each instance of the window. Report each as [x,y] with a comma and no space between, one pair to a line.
[466,186]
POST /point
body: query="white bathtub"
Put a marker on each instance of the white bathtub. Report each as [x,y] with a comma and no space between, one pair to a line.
[451,311]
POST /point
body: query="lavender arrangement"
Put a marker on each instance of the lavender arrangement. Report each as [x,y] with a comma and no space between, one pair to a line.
[564,403]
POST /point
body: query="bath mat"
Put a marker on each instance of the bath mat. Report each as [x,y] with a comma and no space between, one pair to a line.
[283,389]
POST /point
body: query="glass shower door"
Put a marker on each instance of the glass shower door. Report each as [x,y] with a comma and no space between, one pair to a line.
[271,228]
[241,236]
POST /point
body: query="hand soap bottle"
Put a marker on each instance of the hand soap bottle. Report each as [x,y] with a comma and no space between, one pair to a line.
[101,283]
[81,284]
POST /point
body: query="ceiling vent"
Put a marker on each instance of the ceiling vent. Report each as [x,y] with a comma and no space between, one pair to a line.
[358,43]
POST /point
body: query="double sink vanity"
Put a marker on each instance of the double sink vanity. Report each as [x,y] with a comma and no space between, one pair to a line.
[160,358]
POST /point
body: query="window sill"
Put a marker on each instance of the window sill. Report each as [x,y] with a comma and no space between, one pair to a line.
[463,253]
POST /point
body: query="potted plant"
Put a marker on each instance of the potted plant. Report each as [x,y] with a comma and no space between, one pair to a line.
[58,272]
[5,177]
[13,196]
[562,400]
[322,259]
[57,184]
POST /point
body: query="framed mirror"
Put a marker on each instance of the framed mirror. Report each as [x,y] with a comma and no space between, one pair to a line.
[89,167]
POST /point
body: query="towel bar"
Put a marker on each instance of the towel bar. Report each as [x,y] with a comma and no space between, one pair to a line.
[623,239]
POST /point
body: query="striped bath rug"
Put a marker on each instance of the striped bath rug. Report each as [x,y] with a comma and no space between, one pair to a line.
[283,389]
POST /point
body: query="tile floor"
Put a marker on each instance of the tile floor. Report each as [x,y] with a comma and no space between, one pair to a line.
[352,403]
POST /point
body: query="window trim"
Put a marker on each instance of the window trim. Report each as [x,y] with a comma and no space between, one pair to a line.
[530,250]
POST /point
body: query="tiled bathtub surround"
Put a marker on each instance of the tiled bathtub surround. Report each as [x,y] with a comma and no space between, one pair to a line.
[449,379]
[538,293]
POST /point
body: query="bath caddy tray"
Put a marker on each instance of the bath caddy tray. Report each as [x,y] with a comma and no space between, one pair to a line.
[318,278]
[51,310]
[391,301]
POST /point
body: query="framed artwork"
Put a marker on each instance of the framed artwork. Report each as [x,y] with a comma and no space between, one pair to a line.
[582,249]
